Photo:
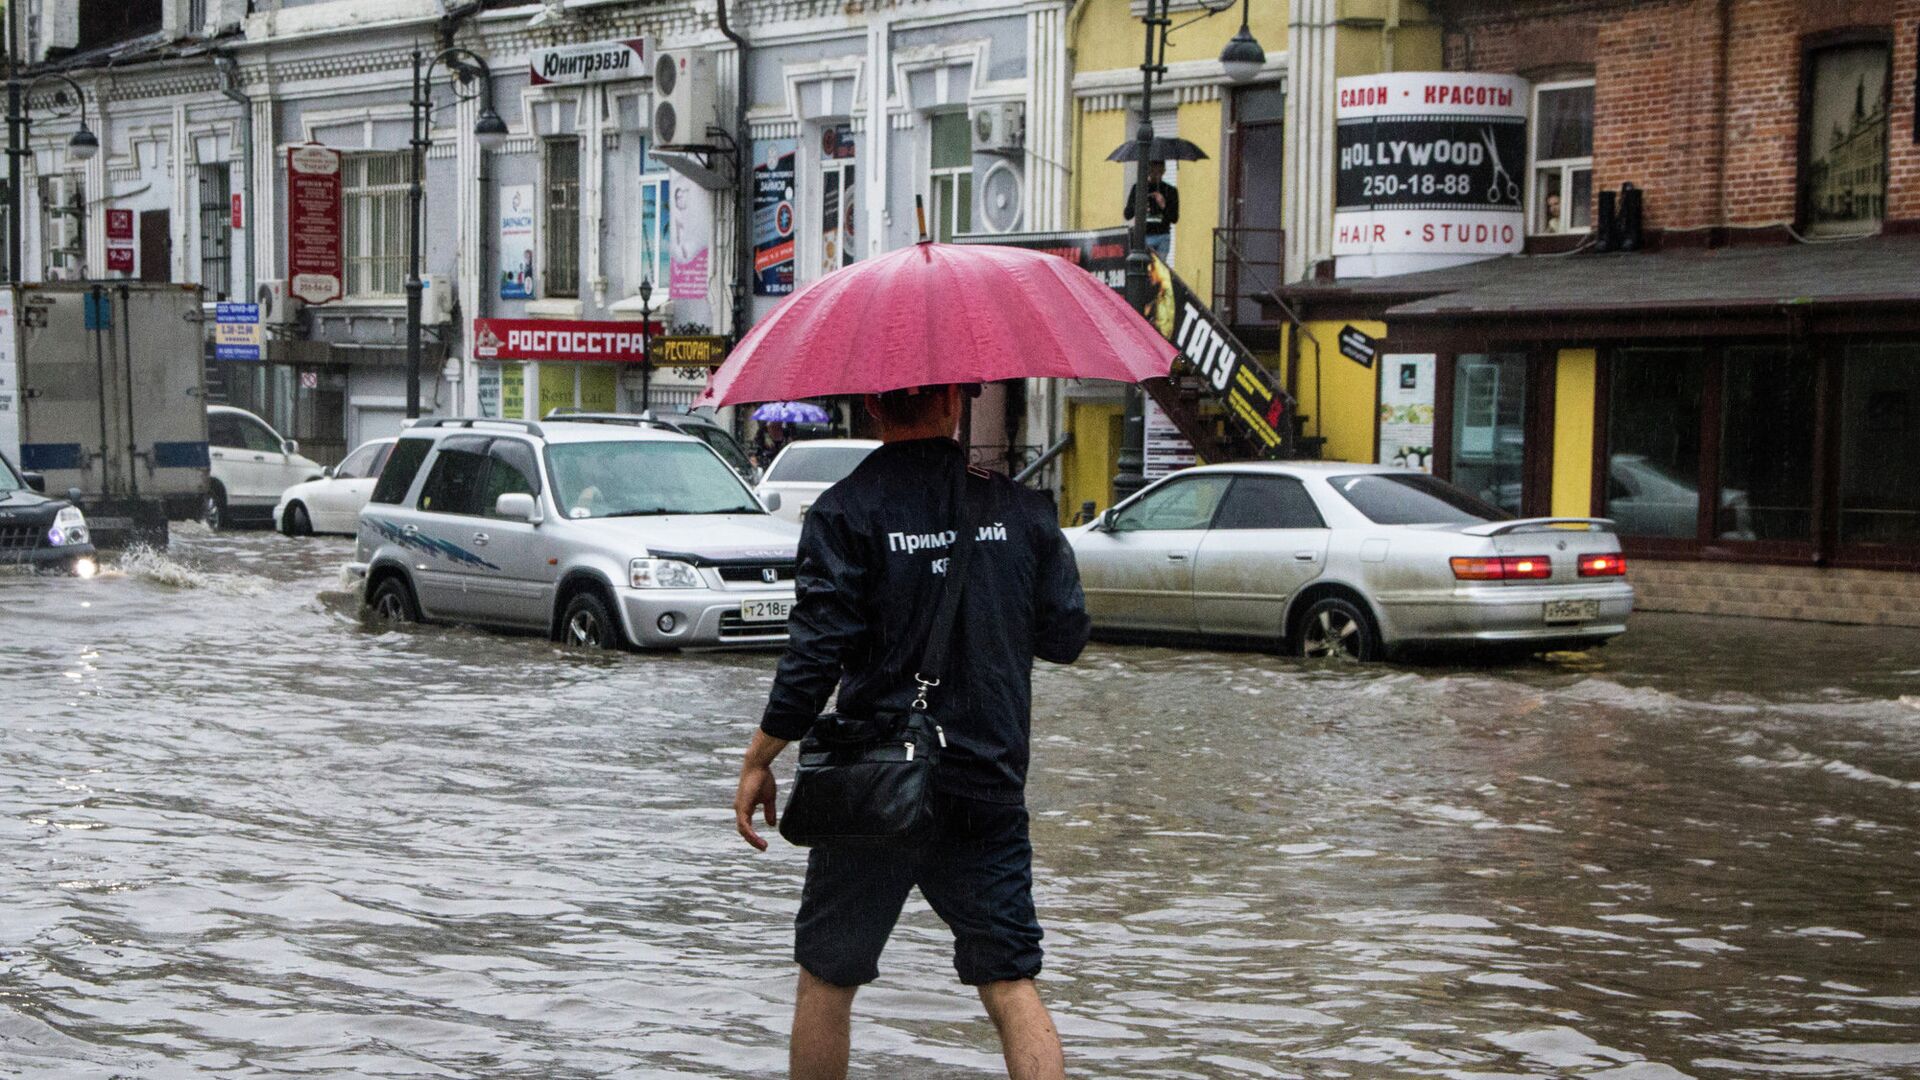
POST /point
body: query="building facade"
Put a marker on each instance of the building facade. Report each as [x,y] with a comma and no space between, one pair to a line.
[544,255]
[1731,372]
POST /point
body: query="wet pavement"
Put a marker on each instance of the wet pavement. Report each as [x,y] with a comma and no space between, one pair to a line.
[243,835]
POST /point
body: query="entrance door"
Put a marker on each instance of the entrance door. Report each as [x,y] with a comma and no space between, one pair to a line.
[156,246]
[1489,446]
[1252,266]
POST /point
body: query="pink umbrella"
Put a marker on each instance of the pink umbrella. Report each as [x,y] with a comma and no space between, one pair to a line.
[941,313]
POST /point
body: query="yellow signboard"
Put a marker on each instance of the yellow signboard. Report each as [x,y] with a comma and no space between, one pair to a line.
[700,350]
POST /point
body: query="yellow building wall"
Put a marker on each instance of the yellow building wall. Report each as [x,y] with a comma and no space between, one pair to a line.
[1104,34]
[1344,403]
[1573,390]
[1088,466]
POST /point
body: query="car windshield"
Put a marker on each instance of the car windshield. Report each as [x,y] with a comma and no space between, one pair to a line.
[630,479]
[723,445]
[817,464]
[1413,499]
[9,481]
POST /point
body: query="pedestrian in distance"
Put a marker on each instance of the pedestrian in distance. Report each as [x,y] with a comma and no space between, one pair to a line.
[1163,209]
[873,558]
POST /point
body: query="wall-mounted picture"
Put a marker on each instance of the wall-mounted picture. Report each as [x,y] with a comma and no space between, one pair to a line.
[1847,140]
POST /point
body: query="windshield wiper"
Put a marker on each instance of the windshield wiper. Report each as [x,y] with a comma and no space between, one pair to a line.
[652,512]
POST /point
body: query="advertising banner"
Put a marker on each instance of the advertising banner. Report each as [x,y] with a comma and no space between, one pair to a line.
[315,267]
[549,339]
[239,211]
[119,225]
[1253,395]
[690,228]
[9,380]
[1166,450]
[120,260]
[592,62]
[773,216]
[516,242]
[1430,163]
[236,332]
[1406,410]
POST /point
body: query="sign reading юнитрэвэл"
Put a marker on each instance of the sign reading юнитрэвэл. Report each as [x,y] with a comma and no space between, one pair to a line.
[1431,171]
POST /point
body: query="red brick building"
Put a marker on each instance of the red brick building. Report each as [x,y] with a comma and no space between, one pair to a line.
[1737,382]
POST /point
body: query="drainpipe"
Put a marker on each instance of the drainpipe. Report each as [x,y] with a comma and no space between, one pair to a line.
[743,193]
[230,89]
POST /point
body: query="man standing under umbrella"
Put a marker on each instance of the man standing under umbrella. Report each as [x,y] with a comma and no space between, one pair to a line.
[1163,210]
[872,564]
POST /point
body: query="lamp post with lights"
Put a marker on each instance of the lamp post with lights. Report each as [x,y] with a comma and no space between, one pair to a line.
[1241,61]
[81,147]
[489,131]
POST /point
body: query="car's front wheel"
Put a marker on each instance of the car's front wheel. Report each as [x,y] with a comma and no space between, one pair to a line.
[1338,629]
[588,623]
[392,602]
[296,522]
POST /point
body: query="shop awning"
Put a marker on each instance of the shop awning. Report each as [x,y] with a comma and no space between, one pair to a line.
[1865,285]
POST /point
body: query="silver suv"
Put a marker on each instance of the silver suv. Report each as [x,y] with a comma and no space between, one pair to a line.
[599,535]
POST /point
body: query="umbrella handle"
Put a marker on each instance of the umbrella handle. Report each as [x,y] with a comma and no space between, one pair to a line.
[920,212]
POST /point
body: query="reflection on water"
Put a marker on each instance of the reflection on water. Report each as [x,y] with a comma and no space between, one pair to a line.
[245,835]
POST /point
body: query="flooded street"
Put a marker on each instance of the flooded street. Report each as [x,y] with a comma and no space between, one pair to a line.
[245,836]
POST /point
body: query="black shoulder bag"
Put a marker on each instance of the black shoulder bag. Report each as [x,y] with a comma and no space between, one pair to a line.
[868,781]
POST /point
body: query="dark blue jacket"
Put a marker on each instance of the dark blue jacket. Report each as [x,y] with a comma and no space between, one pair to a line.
[872,563]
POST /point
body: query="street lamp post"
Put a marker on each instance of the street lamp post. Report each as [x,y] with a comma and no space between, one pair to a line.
[489,131]
[82,146]
[1241,60]
[646,344]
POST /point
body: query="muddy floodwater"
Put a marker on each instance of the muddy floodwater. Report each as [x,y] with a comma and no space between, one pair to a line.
[241,835]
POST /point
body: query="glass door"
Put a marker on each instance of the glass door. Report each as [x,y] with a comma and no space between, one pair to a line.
[1489,443]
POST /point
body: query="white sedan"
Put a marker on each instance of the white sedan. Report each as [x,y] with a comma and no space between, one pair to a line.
[1346,561]
[332,503]
[804,469]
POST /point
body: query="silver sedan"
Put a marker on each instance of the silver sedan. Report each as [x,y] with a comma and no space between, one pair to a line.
[1355,561]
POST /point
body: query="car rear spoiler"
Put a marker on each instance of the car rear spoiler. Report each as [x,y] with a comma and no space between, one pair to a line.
[1535,524]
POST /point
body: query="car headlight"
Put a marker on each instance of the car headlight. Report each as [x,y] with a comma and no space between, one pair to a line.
[663,574]
[69,527]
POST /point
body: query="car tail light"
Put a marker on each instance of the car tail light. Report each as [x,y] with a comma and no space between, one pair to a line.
[1502,568]
[1602,566]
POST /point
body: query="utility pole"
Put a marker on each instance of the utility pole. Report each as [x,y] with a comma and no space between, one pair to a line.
[1133,428]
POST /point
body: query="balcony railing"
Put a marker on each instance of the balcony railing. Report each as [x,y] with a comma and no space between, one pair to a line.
[1247,264]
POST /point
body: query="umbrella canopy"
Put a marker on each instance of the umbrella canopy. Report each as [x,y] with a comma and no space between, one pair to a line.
[1160,148]
[792,412]
[941,313]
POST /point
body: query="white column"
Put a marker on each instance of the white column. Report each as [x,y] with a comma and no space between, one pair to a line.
[1048,102]
[469,274]
[186,198]
[723,264]
[875,163]
[593,182]
[263,188]
[1307,191]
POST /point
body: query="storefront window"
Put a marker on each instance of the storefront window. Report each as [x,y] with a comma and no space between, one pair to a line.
[1489,427]
[1880,455]
[1766,445]
[1653,441]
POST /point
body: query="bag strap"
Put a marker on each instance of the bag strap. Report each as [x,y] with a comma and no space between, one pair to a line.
[933,655]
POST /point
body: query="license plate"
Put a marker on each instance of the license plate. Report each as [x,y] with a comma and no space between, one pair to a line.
[766,610]
[1571,611]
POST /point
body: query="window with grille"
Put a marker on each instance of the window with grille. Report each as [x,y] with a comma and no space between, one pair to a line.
[950,175]
[374,194]
[216,231]
[63,227]
[562,232]
[1562,147]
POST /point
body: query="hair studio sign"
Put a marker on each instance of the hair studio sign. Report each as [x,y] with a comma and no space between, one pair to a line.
[1431,170]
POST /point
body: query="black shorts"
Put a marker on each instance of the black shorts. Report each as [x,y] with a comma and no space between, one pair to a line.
[977,874]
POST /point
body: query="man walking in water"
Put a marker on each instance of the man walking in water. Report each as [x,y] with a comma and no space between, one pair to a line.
[864,605]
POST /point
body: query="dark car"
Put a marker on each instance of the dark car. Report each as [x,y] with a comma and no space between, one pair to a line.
[704,428]
[39,531]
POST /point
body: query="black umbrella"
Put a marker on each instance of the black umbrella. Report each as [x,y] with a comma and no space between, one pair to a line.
[1160,149]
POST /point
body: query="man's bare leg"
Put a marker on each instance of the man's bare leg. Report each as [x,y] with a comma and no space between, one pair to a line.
[822,1018]
[1027,1035]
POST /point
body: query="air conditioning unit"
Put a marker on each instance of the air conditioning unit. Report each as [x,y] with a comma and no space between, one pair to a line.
[278,307]
[436,299]
[1000,128]
[684,97]
[1000,197]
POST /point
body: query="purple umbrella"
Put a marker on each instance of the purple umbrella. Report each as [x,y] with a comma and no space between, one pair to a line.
[792,412]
